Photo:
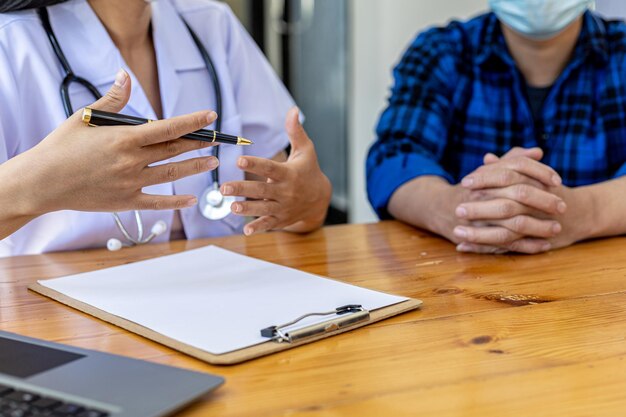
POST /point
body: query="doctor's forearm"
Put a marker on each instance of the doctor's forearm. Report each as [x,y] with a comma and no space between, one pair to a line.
[14,198]
[11,224]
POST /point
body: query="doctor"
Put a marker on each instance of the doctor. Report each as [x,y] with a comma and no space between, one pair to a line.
[169,77]
[55,167]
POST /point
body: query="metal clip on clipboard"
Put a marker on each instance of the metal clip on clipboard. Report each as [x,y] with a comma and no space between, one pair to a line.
[347,316]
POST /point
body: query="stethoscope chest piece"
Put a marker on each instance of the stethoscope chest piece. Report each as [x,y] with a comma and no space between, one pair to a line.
[214,205]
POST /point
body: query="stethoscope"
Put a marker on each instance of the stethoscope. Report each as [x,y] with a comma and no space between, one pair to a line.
[212,204]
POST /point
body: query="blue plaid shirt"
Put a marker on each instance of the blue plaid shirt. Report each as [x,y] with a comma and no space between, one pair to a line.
[458,95]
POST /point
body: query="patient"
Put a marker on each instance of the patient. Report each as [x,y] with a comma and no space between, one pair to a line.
[508,132]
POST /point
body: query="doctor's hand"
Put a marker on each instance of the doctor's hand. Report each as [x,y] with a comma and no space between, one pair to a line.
[294,195]
[105,168]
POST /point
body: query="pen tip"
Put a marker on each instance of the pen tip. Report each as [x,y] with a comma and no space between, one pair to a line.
[244,141]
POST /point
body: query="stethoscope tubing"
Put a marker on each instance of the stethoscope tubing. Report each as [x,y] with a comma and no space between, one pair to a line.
[71,77]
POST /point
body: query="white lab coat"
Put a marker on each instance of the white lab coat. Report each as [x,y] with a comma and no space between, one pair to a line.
[254,104]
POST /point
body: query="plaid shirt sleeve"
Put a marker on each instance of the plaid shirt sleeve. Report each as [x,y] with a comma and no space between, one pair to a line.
[412,131]
[620,172]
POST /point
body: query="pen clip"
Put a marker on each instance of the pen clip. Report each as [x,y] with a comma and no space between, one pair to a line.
[345,316]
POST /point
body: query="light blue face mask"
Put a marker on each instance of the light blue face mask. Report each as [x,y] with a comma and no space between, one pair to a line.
[539,19]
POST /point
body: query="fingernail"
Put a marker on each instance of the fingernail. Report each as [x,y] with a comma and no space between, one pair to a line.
[227,189]
[121,77]
[213,162]
[463,247]
[248,231]
[460,232]
[212,117]
[461,212]
[236,207]
[192,202]
[467,182]
[556,228]
[556,180]
[243,162]
[561,207]
[546,247]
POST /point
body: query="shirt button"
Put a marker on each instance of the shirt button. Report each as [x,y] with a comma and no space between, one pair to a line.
[545,136]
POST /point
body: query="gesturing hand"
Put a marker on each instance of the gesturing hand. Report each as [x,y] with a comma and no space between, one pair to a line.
[104,169]
[296,194]
[515,204]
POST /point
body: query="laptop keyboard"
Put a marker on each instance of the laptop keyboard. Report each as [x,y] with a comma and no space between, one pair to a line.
[18,403]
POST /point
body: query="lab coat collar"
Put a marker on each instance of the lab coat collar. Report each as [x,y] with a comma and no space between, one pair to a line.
[172,34]
[93,55]
[176,52]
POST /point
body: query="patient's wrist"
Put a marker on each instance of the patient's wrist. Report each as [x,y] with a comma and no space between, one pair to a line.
[427,202]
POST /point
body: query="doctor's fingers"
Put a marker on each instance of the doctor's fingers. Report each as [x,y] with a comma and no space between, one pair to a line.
[263,167]
[176,170]
[260,225]
[172,148]
[118,95]
[252,189]
[170,129]
[257,208]
[163,202]
[114,100]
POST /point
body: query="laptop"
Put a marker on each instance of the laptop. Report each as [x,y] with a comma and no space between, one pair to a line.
[39,378]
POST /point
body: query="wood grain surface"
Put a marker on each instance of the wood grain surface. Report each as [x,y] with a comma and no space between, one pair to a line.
[506,335]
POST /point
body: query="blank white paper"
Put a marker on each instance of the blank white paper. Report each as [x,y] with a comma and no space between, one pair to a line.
[211,298]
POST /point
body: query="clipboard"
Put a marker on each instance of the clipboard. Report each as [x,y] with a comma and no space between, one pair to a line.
[276,337]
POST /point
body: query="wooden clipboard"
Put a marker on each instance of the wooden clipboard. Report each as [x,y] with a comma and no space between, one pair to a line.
[229,358]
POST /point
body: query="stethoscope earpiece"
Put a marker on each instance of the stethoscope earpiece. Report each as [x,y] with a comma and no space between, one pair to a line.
[158,228]
[114,244]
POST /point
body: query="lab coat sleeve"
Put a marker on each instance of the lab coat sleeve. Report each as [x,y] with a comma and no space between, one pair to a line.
[10,107]
[262,99]
[5,96]
[9,121]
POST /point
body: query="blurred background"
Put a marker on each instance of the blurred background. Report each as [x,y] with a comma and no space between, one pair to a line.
[336,57]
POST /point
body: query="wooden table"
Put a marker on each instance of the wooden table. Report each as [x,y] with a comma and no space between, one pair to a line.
[541,335]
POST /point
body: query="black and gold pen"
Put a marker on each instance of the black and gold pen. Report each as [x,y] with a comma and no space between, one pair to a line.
[94,117]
